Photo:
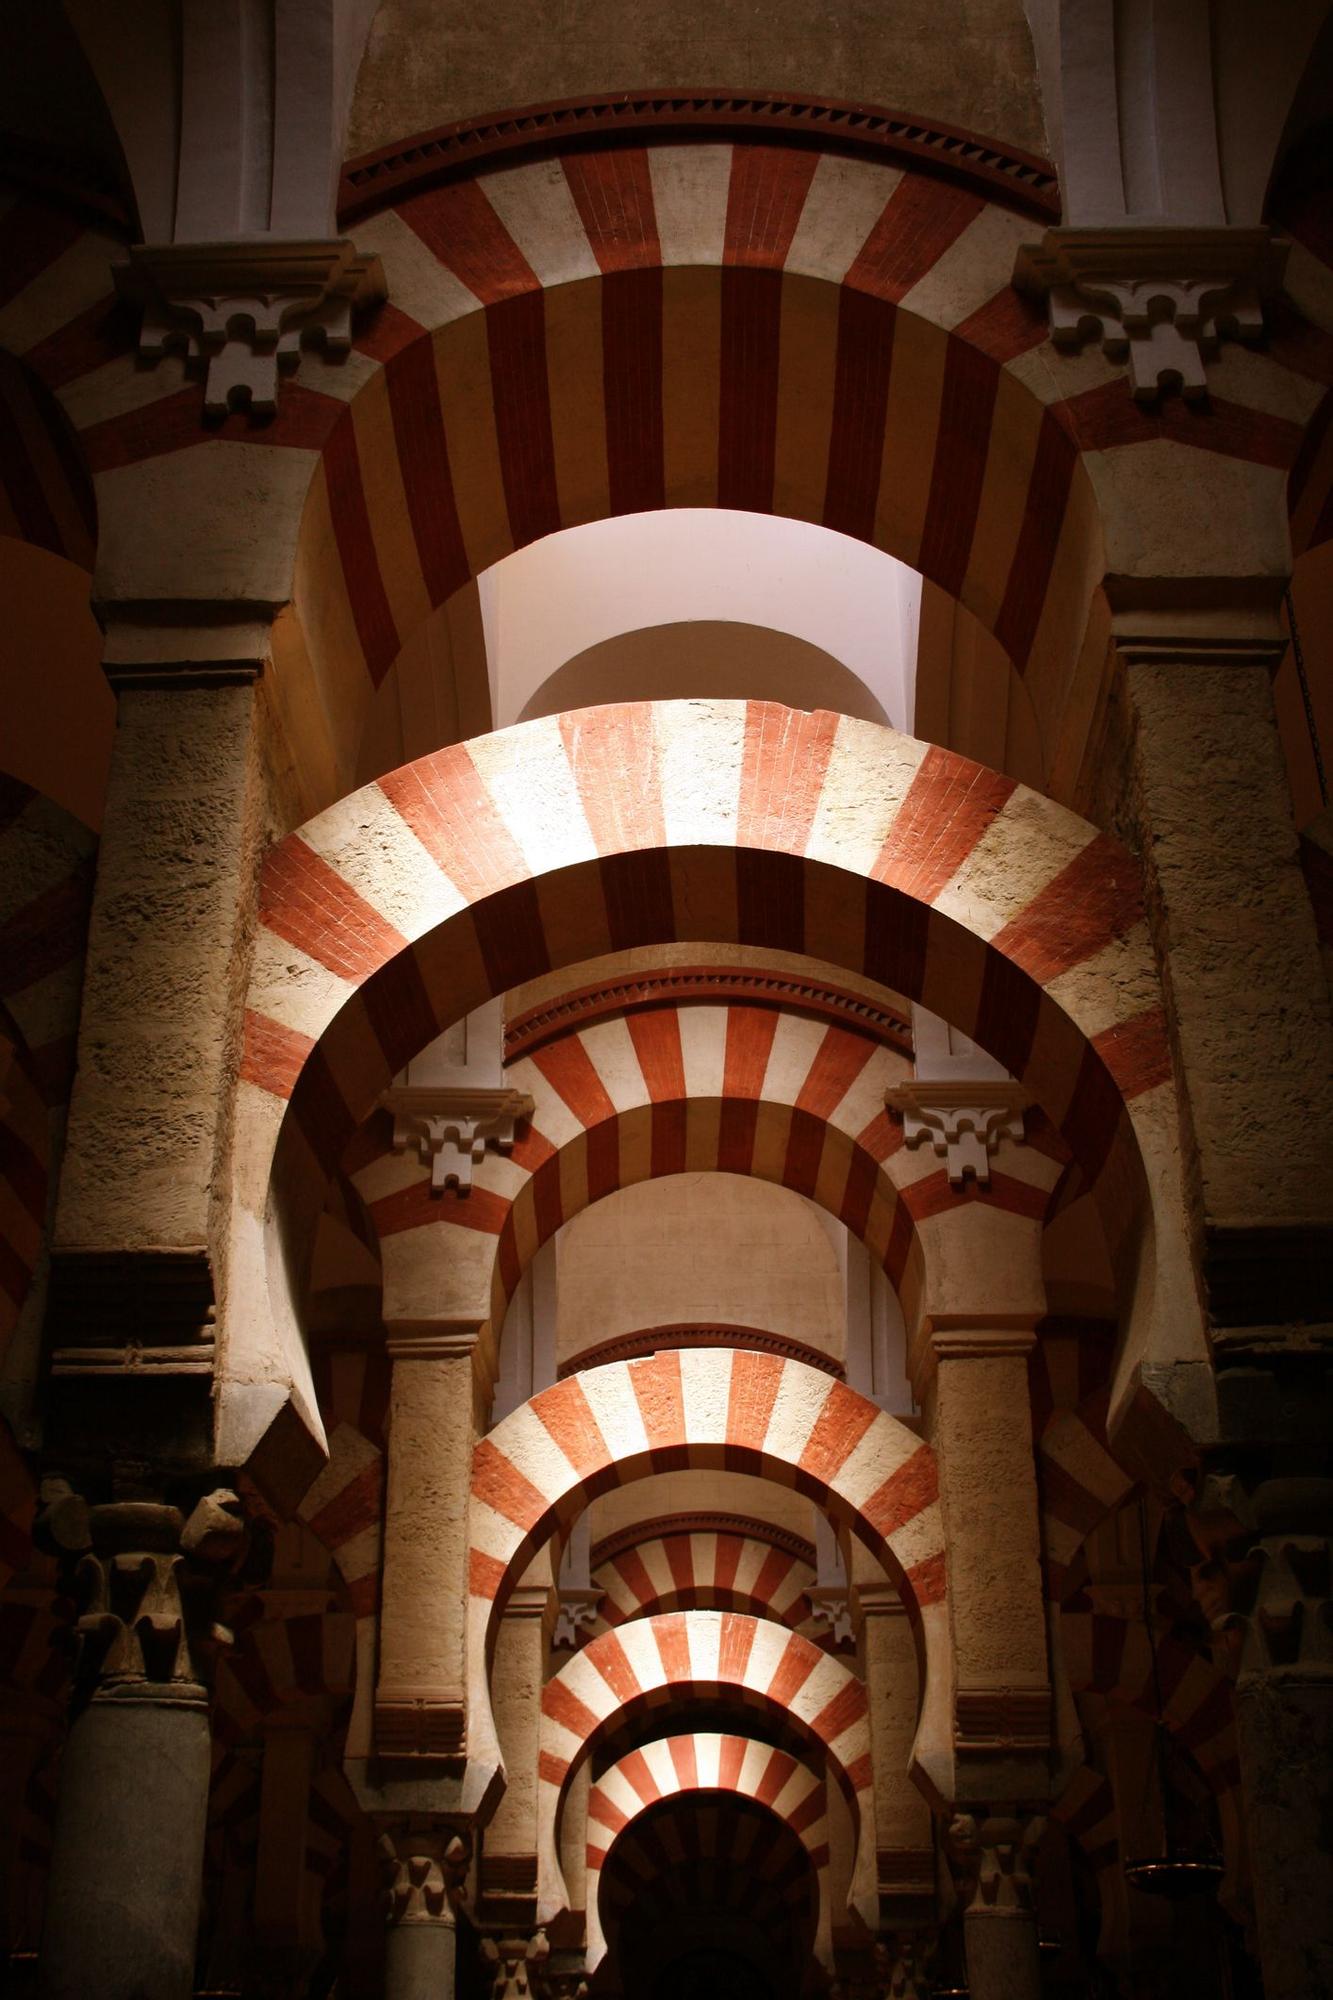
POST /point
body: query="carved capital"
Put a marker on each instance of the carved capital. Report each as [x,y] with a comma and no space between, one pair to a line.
[519,1967]
[964,1121]
[451,1128]
[991,1858]
[1289,1627]
[247,309]
[576,1613]
[905,1962]
[424,1869]
[1159,298]
[145,1579]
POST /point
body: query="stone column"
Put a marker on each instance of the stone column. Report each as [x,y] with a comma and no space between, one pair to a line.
[424,1866]
[1207,805]
[509,1850]
[990,1857]
[904,1848]
[988,1490]
[1284,1725]
[122,1905]
[420,1698]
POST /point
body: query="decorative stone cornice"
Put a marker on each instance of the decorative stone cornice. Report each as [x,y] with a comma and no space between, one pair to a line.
[652,1340]
[1157,296]
[424,1869]
[451,1127]
[247,309]
[965,1121]
[685,985]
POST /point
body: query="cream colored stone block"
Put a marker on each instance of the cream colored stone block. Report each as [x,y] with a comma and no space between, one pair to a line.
[536,206]
[419,284]
[976,267]
[370,845]
[700,748]
[528,776]
[845,200]
[856,809]
[690,185]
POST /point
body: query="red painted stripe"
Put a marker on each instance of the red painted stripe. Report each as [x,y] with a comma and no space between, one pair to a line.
[860,410]
[308,903]
[784,763]
[400,1010]
[798,1661]
[935,1195]
[498,1484]
[904,1494]
[657,1391]
[569,1070]
[656,1038]
[45,934]
[735,1644]
[375,627]
[805,1152]
[521,391]
[415,1207]
[355,1507]
[920,220]
[680,1561]
[838,1429]
[730,1761]
[100,333]
[950,804]
[847,1708]
[670,1138]
[928,1580]
[613,192]
[1105,416]
[445,801]
[671,1636]
[32,236]
[748,391]
[565,1414]
[1136,1052]
[1006,326]
[566,1709]
[175,422]
[774,1776]
[839,1061]
[897,929]
[25,1173]
[465,233]
[726,1560]
[773,1573]
[552,1770]
[765,196]
[1091,901]
[636,1772]
[612,1662]
[962,442]
[272,1056]
[770,899]
[1038,540]
[750,1032]
[684,1762]
[423,459]
[755,1381]
[631,1567]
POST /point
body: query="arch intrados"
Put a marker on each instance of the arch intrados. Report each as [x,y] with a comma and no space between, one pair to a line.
[713,1571]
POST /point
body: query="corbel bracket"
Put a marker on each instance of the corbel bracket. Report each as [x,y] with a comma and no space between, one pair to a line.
[1158,297]
[247,309]
[452,1127]
[964,1121]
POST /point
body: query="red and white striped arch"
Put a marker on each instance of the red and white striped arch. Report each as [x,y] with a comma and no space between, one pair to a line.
[714,1408]
[708,1571]
[705,1653]
[680,1766]
[732,1089]
[411,902]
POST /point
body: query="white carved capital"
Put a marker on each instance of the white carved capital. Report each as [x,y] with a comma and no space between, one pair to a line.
[1158,297]
[451,1127]
[964,1121]
[248,308]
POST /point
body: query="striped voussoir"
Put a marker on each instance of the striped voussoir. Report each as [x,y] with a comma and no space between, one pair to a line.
[46,497]
[1108,1654]
[703,1571]
[734,1089]
[761,326]
[282,1663]
[1307,345]
[1087,1812]
[409,903]
[709,1654]
[676,1766]
[1079,1480]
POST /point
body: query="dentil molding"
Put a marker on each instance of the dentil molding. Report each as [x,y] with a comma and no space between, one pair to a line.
[1158,297]
[248,309]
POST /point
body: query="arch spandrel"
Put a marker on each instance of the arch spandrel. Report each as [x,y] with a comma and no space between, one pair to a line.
[705,1653]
